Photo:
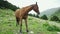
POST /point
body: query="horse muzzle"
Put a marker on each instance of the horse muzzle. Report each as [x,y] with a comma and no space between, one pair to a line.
[38,13]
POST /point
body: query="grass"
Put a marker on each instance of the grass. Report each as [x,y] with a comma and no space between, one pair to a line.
[8,24]
[51,27]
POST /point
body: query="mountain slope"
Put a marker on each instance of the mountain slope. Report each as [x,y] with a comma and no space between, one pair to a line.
[8,24]
[57,13]
[49,12]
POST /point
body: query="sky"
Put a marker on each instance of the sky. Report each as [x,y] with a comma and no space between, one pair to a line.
[43,4]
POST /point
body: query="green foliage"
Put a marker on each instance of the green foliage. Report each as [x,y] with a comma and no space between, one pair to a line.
[44,17]
[51,27]
[57,13]
[30,14]
[37,16]
[46,25]
[33,15]
[30,19]
[54,18]
[6,4]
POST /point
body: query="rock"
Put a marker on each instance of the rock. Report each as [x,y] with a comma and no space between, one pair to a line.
[31,32]
[58,32]
[10,19]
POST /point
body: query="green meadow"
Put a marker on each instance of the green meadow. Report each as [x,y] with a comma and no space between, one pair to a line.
[35,25]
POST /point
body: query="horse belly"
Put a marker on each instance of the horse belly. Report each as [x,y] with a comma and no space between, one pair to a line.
[24,17]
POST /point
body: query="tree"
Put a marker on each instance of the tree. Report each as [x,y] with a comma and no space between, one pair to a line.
[37,16]
[6,4]
[54,18]
[44,17]
[33,15]
[30,14]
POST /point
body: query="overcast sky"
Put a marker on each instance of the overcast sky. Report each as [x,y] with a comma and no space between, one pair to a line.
[43,4]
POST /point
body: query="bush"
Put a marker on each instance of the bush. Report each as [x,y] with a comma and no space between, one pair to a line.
[37,16]
[44,17]
[30,14]
[51,27]
[33,15]
[54,18]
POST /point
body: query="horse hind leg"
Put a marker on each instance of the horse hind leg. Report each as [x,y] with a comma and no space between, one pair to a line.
[17,21]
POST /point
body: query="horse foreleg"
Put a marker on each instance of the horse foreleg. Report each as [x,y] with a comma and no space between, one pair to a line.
[20,25]
[26,25]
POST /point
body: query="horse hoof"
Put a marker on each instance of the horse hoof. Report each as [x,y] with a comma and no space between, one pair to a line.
[31,32]
[27,30]
[20,32]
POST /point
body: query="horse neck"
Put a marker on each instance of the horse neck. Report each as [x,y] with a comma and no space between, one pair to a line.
[30,8]
[27,9]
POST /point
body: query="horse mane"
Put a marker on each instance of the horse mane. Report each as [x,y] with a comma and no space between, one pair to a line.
[29,6]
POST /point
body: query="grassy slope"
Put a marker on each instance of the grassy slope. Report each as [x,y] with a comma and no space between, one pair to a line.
[8,24]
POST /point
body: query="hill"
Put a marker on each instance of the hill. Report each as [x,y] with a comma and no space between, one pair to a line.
[57,13]
[37,26]
[49,12]
[6,5]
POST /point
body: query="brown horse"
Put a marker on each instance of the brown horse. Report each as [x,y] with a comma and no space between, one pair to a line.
[23,14]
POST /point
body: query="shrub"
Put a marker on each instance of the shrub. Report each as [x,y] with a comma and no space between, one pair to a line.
[44,17]
[33,15]
[51,27]
[54,18]
[30,14]
[37,16]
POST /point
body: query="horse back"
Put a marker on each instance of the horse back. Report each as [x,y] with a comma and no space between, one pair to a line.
[22,12]
[19,12]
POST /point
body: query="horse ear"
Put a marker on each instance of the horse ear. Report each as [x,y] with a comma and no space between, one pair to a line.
[36,3]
